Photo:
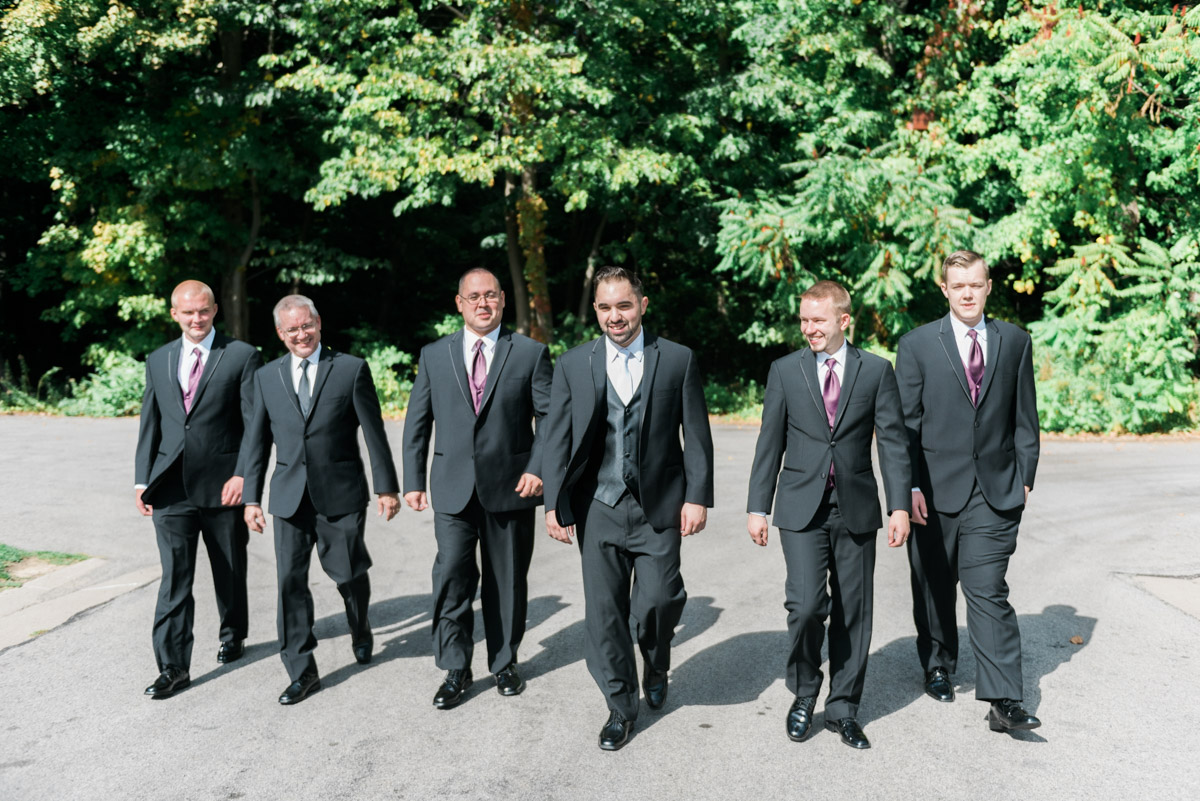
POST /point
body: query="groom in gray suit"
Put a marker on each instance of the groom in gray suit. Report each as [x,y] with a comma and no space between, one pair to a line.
[311,404]
[483,387]
[970,407]
[822,406]
[617,476]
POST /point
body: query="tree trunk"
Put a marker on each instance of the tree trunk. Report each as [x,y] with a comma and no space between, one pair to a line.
[585,299]
[512,238]
[234,300]
[531,219]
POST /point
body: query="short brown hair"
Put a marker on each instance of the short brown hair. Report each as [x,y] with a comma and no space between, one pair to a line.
[831,290]
[966,259]
[617,274]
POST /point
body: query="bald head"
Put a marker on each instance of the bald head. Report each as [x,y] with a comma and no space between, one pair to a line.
[193,306]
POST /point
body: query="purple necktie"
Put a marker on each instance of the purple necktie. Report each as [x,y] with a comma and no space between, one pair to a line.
[974,367]
[193,381]
[478,375]
[831,393]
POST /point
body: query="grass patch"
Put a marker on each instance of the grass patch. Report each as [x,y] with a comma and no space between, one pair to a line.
[10,557]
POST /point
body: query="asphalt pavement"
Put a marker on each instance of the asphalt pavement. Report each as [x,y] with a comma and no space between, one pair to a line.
[1109,555]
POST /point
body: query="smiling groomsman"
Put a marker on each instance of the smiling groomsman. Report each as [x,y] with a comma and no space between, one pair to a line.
[199,394]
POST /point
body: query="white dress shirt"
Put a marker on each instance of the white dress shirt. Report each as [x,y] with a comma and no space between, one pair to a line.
[313,361]
[616,358]
[964,342]
[489,348]
[187,359]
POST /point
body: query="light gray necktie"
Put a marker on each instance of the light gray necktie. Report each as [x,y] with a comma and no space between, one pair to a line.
[304,393]
[625,386]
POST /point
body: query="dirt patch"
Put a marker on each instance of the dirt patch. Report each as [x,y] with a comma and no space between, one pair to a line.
[30,568]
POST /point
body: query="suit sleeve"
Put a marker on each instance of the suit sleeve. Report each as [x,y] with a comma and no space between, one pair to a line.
[768,451]
[697,438]
[256,445]
[892,443]
[149,433]
[911,383]
[370,419]
[556,444]
[1026,437]
[418,423]
[247,399]
[542,380]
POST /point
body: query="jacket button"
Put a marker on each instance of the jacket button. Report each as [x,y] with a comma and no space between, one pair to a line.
[974,455]
[977,424]
[824,476]
[833,443]
[187,428]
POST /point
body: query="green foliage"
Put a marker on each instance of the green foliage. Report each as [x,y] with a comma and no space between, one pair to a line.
[736,400]
[19,394]
[113,389]
[391,369]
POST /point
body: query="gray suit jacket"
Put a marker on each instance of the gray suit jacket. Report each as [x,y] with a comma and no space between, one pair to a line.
[319,452]
[795,431]
[672,400]
[204,441]
[954,444]
[484,454]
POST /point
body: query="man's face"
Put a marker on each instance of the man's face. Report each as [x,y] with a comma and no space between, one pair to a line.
[619,311]
[300,331]
[194,312]
[481,303]
[967,289]
[822,324]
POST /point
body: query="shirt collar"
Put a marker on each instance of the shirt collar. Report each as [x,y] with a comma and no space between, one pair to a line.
[205,345]
[839,354]
[960,328]
[489,339]
[635,350]
[313,359]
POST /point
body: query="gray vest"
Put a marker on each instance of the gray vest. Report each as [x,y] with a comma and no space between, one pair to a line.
[619,461]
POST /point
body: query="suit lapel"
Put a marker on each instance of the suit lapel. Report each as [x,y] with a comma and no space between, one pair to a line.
[503,346]
[458,367]
[214,358]
[173,357]
[599,363]
[950,347]
[324,367]
[650,354]
[285,379]
[808,368]
[849,375]
[993,359]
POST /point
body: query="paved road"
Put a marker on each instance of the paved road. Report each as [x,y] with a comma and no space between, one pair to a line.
[1120,710]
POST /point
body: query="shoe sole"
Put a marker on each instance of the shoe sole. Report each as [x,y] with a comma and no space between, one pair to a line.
[995,724]
[617,746]
[509,692]
[308,692]
[836,730]
[936,697]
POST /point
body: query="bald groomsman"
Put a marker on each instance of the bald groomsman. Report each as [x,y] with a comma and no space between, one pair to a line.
[199,395]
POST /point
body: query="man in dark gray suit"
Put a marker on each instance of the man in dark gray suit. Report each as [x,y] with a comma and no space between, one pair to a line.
[311,403]
[821,408]
[199,393]
[617,476]
[971,411]
[483,386]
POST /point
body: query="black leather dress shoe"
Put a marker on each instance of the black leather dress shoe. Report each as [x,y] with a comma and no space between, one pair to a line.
[800,717]
[170,681]
[509,681]
[852,734]
[616,732]
[451,693]
[654,684]
[1007,714]
[363,649]
[231,651]
[938,686]
[308,683]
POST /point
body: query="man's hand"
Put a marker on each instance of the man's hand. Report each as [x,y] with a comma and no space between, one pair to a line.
[560,533]
[231,493]
[389,505]
[417,501]
[692,518]
[757,526]
[529,485]
[144,508]
[253,515]
[1026,494]
[898,528]
[920,510]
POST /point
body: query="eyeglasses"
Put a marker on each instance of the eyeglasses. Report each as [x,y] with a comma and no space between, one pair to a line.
[486,297]
[306,327]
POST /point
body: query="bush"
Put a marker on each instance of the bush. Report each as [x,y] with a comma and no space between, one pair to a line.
[113,389]
[737,399]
